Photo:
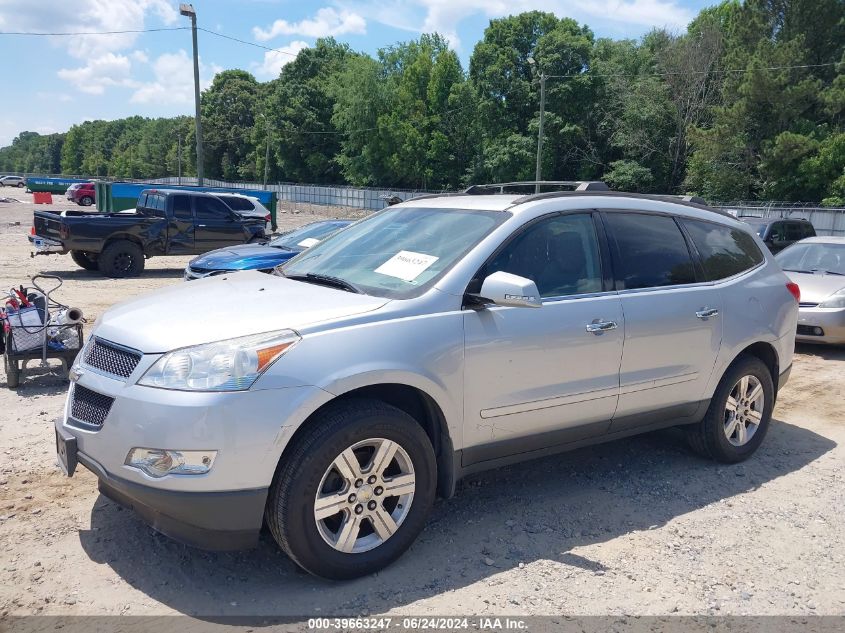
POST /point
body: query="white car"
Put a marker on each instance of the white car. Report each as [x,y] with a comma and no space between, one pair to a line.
[13,181]
[247,206]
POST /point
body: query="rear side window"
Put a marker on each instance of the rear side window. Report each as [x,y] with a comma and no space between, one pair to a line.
[182,207]
[794,231]
[238,204]
[650,251]
[724,251]
[208,208]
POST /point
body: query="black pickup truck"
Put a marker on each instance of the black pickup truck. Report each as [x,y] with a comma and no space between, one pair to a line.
[165,222]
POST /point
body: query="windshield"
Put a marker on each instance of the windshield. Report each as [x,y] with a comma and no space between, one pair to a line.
[397,251]
[810,257]
[307,236]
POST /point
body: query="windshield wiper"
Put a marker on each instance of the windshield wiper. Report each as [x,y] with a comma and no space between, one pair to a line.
[796,270]
[827,272]
[326,280]
[281,246]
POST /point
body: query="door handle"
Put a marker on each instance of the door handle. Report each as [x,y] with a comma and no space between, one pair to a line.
[597,327]
[706,313]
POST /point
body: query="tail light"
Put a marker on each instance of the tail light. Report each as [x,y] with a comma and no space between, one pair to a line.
[795,290]
[64,233]
[32,230]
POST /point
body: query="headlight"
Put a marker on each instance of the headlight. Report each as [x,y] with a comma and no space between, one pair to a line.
[836,300]
[231,365]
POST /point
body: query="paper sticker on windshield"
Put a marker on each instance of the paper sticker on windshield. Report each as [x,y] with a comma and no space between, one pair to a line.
[308,242]
[406,265]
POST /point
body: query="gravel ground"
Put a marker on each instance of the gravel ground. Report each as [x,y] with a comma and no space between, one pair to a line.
[638,526]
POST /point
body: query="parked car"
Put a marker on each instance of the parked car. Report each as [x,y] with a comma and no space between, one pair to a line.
[779,233]
[247,206]
[165,222]
[433,339]
[13,181]
[82,193]
[263,257]
[817,265]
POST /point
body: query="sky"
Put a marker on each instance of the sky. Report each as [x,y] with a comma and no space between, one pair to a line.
[55,81]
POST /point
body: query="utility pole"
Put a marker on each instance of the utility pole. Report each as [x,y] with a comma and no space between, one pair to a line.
[539,169]
[188,11]
[267,153]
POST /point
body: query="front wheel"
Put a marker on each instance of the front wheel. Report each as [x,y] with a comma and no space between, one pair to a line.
[86,201]
[354,491]
[739,413]
[20,185]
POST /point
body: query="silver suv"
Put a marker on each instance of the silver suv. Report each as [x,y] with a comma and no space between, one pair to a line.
[436,338]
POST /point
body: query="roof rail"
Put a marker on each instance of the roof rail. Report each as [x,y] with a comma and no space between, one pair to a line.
[577,185]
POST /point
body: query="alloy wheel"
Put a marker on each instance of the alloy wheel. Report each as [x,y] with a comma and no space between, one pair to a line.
[744,410]
[364,495]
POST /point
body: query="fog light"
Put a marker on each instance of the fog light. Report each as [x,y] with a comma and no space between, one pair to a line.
[818,331]
[158,462]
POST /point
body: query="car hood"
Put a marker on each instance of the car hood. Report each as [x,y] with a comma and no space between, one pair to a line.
[815,288]
[243,257]
[223,307]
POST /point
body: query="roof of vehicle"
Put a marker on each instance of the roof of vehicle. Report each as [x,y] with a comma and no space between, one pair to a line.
[753,219]
[824,239]
[176,191]
[236,195]
[507,201]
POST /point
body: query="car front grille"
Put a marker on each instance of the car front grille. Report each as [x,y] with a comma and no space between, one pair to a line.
[111,359]
[89,407]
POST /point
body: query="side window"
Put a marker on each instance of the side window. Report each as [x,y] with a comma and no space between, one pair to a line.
[142,201]
[724,251]
[794,231]
[777,233]
[651,251]
[238,204]
[208,208]
[809,231]
[182,207]
[560,254]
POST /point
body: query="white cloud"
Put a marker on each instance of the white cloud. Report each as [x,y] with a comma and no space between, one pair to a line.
[86,16]
[93,78]
[173,80]
[444,16]
[327,21]
[140,56]
[274,60]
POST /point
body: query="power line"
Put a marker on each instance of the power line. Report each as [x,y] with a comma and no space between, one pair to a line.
[691,72]
[124,32]
[248,43]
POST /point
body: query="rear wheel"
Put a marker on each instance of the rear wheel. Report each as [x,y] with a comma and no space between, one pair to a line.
[20,185]
[354,491]
[86,201]
[739,414]
[13,372]
[88,261]
[121,259]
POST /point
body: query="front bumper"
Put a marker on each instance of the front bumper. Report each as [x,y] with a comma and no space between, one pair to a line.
[228,520]
[830,320]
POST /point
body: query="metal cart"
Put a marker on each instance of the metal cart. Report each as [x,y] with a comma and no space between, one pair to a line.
[22,342]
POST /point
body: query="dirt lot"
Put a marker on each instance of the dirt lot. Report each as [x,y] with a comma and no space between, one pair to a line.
[639,526]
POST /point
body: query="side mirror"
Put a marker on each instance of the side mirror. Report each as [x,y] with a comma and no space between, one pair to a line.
[505,289]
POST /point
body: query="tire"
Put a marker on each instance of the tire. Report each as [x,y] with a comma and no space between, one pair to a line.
[20,185]
[83,259]
[13,372]
[121,258]
[86,201]
[710,437]
[309,467]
